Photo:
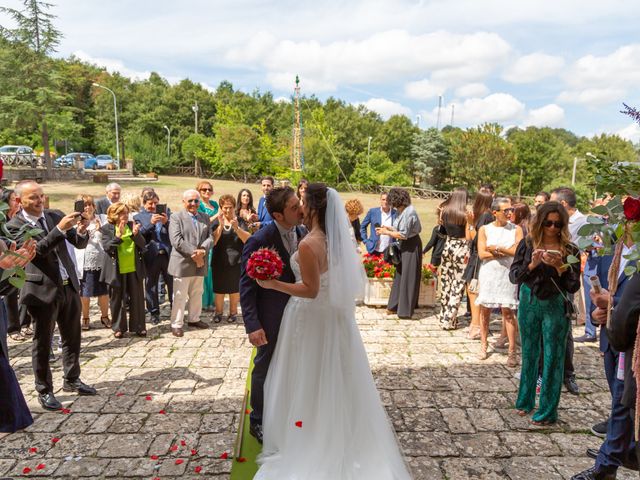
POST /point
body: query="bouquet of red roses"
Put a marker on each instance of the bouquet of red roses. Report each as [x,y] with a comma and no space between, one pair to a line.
[264,264]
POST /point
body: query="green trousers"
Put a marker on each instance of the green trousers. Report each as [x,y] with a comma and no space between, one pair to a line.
[541,322]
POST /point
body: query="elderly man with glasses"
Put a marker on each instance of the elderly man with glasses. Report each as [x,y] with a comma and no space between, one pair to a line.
[190,236]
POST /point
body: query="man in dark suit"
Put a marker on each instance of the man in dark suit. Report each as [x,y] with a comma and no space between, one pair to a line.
[155,229]
[382,216]
[262,309]
[52,290]
[264,218]
[113,195]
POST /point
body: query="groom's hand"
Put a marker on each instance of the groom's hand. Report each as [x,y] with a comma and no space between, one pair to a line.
[258,338]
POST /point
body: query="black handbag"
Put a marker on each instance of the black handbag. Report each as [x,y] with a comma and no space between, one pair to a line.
[392,254]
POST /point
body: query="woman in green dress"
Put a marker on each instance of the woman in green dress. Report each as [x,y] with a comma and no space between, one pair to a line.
[209,207]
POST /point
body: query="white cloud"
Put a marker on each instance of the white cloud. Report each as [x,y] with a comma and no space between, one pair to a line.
[423,90]
[592,97]
[533,68]
[550,115]
[472,90]
[386,108]
[378,58]
[112,65]
[497,107]
[630,132]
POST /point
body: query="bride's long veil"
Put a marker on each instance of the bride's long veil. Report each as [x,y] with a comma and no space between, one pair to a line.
[347,278]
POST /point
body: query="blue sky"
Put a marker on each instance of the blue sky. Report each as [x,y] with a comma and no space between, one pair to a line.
[561,63]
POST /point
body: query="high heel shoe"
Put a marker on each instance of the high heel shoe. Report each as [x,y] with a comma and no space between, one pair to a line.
[482,355]
[473,333]
[512,360]
[502,342]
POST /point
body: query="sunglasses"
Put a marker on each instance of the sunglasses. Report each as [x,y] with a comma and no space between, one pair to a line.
[508,210]
[551,223]
[206,189]
[194,200]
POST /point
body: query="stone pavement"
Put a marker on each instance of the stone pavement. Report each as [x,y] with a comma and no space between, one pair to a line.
[167,406]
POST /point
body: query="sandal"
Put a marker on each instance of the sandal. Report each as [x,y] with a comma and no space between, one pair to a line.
[522,413]
[501,342]
[27,331]
[232,318]
[542,423]
[106,321]
[17,336]
[142,333]
[118,334]
[217,318]
[85,324]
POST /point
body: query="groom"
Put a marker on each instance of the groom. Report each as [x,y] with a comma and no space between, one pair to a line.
[262,309]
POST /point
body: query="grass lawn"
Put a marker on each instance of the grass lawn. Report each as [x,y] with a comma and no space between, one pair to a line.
[169,189]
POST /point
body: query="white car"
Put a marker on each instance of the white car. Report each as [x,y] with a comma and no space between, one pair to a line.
[18,156]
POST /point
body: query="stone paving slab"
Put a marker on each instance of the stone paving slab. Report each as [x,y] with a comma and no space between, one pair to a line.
[167,405]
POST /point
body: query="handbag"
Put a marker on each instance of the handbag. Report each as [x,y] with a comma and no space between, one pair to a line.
[473,284]
[392,254]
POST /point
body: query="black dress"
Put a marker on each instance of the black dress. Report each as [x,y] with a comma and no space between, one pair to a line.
[14,413]
[226,258]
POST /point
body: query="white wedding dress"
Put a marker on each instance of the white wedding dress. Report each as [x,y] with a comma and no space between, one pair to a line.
[323,417]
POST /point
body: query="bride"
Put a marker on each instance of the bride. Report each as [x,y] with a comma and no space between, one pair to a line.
[323,418]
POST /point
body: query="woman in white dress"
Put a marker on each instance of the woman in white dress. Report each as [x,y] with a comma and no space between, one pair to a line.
[323,417]
[497,242]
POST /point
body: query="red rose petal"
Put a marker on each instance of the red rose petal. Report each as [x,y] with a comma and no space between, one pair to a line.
[194,451]
[148,397]
[198,469]
[154,457]
[156,478]
[299,424]
[242,460]
[162,412]
[183,443]
[174,448]
[224,456]
[119,394]
[26,470]
[55,440]
[40,466]
[33,450]
[179,461]
[65,411]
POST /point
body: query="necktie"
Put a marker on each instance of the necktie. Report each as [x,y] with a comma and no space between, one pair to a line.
[291,241]
[42,224]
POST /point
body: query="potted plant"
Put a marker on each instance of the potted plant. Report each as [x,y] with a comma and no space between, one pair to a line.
[380,275]
[428,286]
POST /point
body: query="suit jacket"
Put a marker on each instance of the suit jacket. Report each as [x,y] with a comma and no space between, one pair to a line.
[43,279]
[110,273]
[102,205]
[263,214]
[148,231]
[263,308]
[372,217]
[185,238]
[622,334]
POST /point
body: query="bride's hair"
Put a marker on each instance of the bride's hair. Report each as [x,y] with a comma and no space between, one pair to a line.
[316,199]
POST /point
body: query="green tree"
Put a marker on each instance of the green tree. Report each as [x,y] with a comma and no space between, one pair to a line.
[377,169]
[431,158]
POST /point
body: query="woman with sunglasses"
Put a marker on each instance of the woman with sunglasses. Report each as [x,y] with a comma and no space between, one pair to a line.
[497,243]
[546,279]
[209,207]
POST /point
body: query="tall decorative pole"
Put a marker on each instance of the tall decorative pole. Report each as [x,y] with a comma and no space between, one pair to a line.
[297,151]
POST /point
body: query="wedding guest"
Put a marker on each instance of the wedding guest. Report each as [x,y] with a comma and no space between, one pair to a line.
[191,240]
[477,217]
[89,263]
[245,208]
[229,235]
[456,249]
[540,198]
[113,191]
[497,242]
[521,217]
[264,218]
[51,291]
[546,279]
[210,208]
[354,209]
[133,203]
[303,184]
[154,227]
[488,189]
[406,232]
[382,216]
[123,270]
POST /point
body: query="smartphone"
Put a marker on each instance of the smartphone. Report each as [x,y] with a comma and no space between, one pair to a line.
[595,284]
[376,225]
[555,252]
[161,208]
[78,206]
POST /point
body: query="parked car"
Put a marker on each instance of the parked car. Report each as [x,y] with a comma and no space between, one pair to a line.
[106,161]
[69,160]
[18,156]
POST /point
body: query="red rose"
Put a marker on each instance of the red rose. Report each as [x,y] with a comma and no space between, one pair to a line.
[632,209]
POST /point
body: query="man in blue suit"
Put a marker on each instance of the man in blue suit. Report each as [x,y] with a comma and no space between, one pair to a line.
[262,309]
[264,218]
[154,227]
[618,448]
[380,216]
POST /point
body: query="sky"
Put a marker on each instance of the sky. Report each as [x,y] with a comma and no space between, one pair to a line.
[560,63]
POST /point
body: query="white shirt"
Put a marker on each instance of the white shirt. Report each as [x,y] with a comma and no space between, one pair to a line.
[385,221]
[624,261]
[576,220]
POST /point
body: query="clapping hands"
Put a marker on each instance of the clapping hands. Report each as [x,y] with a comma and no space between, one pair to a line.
[18,257]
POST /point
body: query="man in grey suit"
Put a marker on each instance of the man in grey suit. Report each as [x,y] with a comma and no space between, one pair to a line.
[113,195]
[190,236]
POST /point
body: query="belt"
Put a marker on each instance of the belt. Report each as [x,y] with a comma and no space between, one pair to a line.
[162,252]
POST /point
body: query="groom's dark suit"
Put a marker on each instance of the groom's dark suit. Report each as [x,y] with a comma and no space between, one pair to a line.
[263,308]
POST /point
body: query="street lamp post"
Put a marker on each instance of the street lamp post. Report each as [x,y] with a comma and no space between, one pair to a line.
[168,140]
[368,150]
[195,110]
[115,114]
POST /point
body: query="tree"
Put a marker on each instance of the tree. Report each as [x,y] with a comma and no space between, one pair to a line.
[377,169]
[430,158]
[32,88]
